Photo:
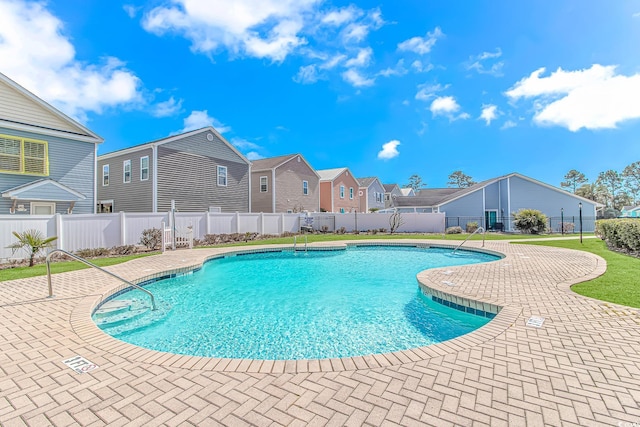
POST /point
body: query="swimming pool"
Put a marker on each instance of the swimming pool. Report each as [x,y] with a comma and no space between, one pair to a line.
[301,305]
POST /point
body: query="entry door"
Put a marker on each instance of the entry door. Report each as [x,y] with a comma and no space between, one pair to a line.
[490,218]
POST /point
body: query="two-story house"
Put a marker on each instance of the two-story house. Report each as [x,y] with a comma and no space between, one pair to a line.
[371,194]
[47,159]
[198,170]
[338,191]
[284,184]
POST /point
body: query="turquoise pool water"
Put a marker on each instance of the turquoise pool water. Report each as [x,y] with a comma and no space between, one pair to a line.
[286,305]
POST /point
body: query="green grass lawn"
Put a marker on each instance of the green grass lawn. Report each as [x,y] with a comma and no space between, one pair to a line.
[620,284]
[61,267]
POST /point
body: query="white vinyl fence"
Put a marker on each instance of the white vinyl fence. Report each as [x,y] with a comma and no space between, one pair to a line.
[89,231]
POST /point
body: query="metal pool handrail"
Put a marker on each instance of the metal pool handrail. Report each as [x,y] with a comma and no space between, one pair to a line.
[153,300]
[295,242]
[484,232]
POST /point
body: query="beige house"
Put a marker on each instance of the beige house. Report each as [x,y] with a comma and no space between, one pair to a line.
[339,191]
[284,184]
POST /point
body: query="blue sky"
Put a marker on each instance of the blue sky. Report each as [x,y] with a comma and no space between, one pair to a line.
[388,89]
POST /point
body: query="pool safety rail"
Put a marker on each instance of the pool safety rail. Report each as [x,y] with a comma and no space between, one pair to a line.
[84,261]
[295,243]
[484,233]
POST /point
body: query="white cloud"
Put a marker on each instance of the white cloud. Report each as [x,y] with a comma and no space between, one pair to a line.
[636,15]
[201,119]
[39,57]
[131,10]
[398,70]
[259,28]
[593,98]
[243,144]
[307,74]
[355,78]
[447,106]
[428,91]
[389,150]
[362,59]
[421,45]
[480,63]
[167,108]
[333,61]
[489,113]
[508,125]
[356,32]
[253,155]
[419,67]
[340,17]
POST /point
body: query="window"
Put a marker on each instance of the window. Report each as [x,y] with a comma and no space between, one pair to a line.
[23,156]
[305,187]
[341,210]
[43,208]
[144,168]
[222,176]
[105,175]
[351,193]
[263,184]
[342,191]
[126,171]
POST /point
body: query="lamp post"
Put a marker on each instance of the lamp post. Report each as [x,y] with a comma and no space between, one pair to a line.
[562,221]
[580,206]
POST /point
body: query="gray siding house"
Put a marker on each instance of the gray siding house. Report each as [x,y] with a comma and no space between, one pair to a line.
[199,170]
[391,191]
[47,160]
[492,203]
[284,184]
[371,194]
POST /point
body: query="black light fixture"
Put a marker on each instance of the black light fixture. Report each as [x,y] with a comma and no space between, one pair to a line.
[562,221]
[580,206]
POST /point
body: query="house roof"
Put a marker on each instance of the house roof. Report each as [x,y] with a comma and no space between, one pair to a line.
[440,196]
[389,187]
[330,174]
[407,191]
[172,138]
[45,189]
[74,130]
[275,162]
[366,182]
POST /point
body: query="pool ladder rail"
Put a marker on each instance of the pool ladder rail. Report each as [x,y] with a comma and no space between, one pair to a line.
[484,232]
[84,261]
[295,243]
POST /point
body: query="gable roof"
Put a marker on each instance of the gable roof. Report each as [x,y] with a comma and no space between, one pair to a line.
[275,162]
[173,138]
[330,174]
[389,187]
[407,191]
[24,111]
[366,182]
[45,189]
[426,197]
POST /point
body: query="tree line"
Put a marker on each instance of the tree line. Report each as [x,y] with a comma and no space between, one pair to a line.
[611,188]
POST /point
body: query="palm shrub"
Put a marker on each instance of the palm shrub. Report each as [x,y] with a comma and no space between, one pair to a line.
[530,221]
[33,241]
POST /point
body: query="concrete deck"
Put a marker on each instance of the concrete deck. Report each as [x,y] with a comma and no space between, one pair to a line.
[582,367]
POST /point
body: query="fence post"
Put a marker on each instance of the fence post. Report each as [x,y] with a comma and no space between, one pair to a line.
[59,231]
[281,223]
[123,231]
[238,222]
[208,222]
[261,223]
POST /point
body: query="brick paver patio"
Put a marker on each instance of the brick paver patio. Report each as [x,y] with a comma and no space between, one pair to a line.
[582,367]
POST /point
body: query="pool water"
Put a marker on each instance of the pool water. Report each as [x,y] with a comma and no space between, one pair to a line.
[297,305]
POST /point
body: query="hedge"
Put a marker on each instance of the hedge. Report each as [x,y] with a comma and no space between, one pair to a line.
[620,233]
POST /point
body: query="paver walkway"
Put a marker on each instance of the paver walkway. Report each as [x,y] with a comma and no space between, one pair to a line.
[582,367]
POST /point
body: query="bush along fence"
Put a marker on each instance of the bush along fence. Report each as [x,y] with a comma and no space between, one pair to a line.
[89,232]
[622,234]
[568,224]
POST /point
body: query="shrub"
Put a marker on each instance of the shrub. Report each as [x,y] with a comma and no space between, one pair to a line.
[382,230]
[530,221]
[151,238]
[621,234]
[123,250]
[93,253]
[372,210]
[471,227]
[453,230]
[324,228]
[395,222]
[33,241]
[341,230]
[566,227]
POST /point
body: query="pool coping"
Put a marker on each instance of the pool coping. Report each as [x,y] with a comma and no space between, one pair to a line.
[505,317]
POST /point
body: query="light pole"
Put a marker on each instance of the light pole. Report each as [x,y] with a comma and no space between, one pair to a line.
[580,206]
[562,221]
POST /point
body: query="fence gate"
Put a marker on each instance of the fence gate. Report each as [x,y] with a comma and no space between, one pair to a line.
[183,238]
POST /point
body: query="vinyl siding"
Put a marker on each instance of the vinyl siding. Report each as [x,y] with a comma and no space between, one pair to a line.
[261,202]
[289,177]
[469,205]
[325,196]
[346,203]
[375,187]
[16,107]
[491,197]
[187,173]
[71,163]
[135,196]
